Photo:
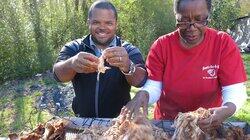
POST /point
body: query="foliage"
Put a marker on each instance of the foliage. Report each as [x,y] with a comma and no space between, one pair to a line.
[16,42]
[224,12]
[33,31]
[142,21]
[244,7]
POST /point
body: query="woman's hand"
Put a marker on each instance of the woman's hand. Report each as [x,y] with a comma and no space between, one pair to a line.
[219,115]
[134,106]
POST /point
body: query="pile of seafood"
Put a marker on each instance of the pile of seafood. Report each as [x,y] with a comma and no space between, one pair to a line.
[186,124]
[53,130]
[139,128]
[186,128]
[136,128]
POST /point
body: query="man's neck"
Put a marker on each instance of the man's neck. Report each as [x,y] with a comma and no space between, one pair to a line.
[101,47]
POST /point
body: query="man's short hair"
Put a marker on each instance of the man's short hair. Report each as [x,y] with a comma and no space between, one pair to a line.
[102,4]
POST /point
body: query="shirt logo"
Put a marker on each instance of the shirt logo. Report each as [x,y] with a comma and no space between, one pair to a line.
[210,71]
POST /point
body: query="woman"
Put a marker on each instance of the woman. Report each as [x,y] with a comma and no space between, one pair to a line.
[194,66]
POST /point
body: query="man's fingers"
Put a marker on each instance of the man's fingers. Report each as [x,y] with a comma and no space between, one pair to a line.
[84,69]
[90,57]
[114,52]
[85,63]
[88,63]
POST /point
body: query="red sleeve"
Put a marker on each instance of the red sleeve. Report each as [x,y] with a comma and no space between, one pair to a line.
[154,62]
[231,69]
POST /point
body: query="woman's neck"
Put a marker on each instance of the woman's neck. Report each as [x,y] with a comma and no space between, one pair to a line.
[187,45]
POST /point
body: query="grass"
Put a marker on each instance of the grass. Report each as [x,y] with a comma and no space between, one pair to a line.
[244,113]
[17,108]
[18,111]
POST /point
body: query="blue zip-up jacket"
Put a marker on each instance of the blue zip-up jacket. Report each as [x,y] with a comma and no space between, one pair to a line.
[105,98]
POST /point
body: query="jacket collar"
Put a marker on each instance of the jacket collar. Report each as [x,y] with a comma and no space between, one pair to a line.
[86,41]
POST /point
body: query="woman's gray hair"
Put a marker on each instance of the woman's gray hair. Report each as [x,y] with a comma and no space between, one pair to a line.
[177,5]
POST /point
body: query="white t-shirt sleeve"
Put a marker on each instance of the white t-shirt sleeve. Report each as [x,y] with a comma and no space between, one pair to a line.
[154,89]
[235,94]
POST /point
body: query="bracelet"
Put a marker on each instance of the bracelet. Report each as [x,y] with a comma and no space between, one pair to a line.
[132,69]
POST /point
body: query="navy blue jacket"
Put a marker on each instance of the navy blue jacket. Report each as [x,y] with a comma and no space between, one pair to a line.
[113,88]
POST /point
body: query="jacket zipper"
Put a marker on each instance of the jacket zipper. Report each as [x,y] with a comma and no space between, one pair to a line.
[97,91]
[97,94]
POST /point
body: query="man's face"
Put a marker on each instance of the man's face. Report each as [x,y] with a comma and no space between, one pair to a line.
[102,26]
[194,14]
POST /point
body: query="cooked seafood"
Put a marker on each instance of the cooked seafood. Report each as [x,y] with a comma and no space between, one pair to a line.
[101,67]
[137,128]
[186,124]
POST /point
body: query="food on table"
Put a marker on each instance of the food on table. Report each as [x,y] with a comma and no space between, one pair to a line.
[136,128]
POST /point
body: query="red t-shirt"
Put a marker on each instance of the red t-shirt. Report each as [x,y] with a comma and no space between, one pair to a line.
[192,78]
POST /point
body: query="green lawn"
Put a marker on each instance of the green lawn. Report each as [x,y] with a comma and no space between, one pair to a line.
[244,113]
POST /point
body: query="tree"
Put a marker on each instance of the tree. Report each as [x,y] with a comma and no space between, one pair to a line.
[224,12]
[43,51]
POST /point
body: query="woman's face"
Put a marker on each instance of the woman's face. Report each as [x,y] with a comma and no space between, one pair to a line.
[191,19]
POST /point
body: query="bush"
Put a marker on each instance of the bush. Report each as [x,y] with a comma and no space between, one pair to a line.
[32,32]
[223,14]
[142,21]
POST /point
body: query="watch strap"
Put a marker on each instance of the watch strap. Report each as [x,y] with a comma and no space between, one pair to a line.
[132,69]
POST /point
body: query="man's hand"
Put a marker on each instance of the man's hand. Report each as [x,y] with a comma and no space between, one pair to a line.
[118,57]
[84,62]
[219,115]
[134,106]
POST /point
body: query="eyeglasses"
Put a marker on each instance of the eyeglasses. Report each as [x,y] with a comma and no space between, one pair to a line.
[196,24]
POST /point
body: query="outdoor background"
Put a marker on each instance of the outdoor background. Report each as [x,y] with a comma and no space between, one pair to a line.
[32,33]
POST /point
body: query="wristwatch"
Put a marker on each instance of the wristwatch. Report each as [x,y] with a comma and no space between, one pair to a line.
[132,69]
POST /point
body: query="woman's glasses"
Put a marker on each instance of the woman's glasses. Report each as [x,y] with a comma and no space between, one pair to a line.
[196,24]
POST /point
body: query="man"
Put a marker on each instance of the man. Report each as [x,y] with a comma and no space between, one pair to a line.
[194,66]
[100,95]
